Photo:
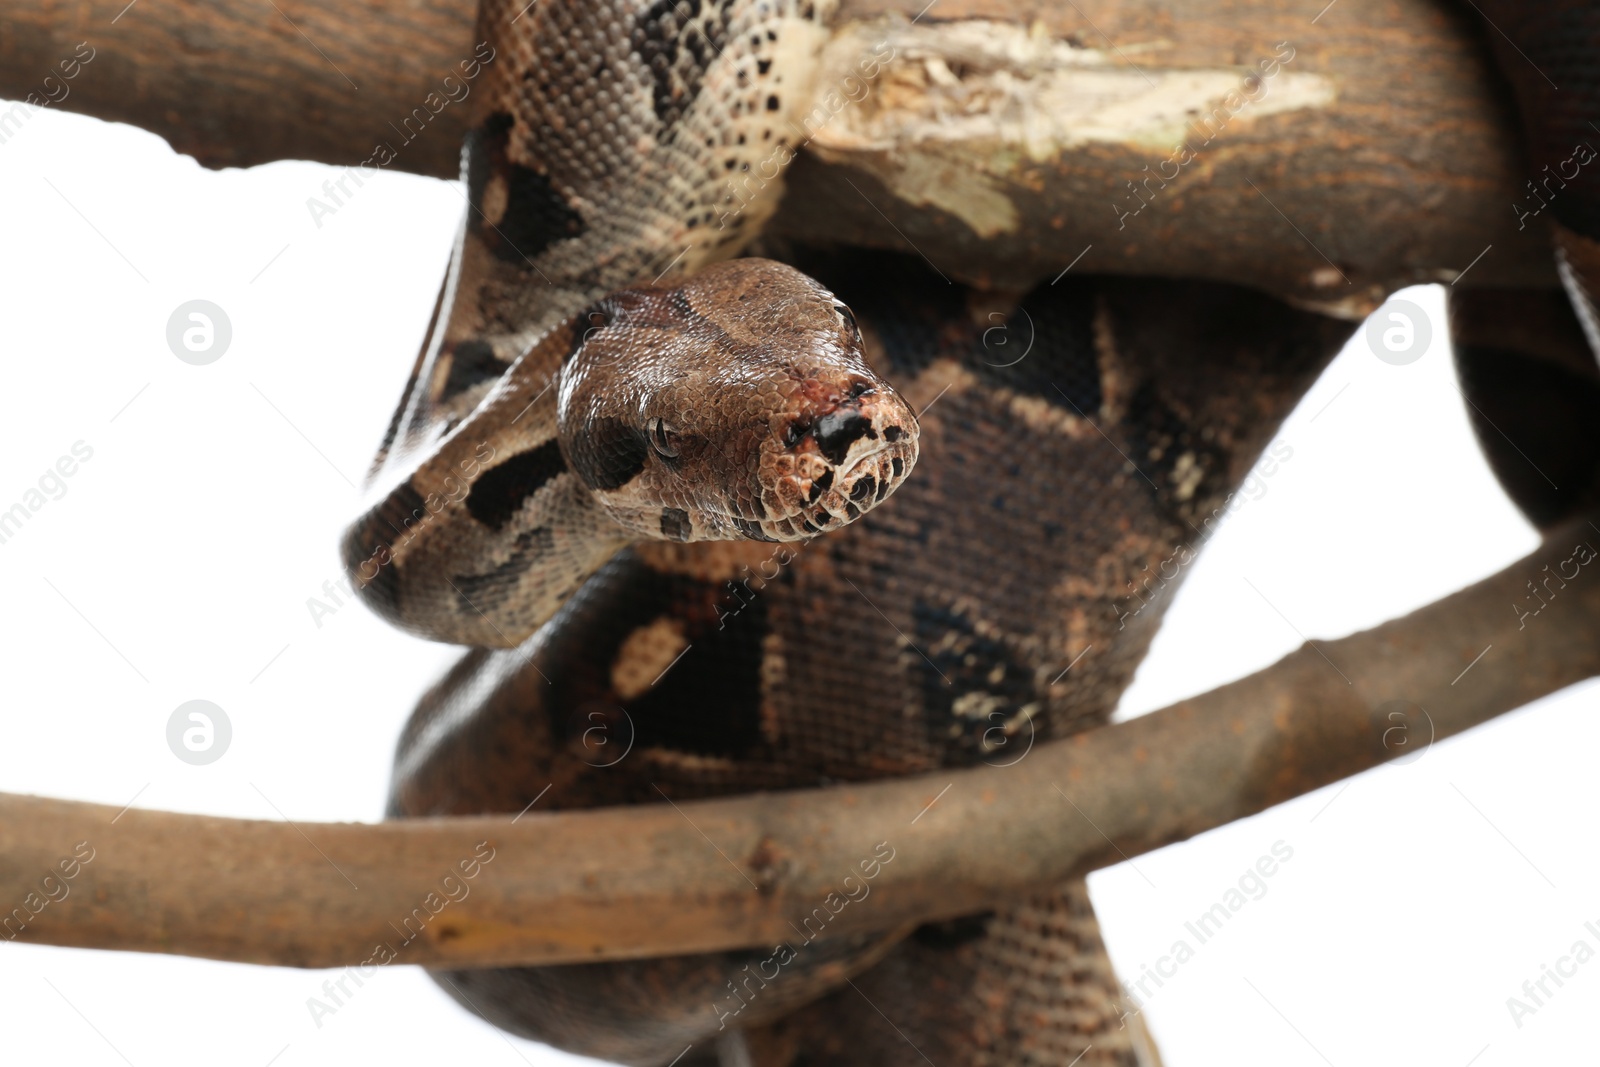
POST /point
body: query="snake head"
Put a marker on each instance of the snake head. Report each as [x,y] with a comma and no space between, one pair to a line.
[735,406]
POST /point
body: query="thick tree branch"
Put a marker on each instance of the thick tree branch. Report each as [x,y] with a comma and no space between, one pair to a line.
[240,82]
[661,878]
[998,138]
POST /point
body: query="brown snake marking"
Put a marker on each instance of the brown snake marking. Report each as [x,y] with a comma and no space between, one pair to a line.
[931,631]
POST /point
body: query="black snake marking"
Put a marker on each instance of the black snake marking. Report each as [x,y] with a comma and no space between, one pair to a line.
[928,633]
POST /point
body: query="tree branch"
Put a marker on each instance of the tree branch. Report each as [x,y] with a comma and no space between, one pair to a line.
[998,138]
[235,83]
[663,879]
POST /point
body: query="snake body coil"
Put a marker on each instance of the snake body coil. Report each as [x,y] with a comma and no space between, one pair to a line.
[653,489]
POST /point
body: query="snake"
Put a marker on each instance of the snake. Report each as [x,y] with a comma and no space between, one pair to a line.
[734,406]
[717,512]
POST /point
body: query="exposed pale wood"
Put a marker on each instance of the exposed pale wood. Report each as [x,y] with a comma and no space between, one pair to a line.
[1405,177]
[659,879]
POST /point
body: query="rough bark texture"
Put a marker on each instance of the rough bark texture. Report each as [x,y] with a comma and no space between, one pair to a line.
[240,82]
[998,138]
[1382,153]
[718,874]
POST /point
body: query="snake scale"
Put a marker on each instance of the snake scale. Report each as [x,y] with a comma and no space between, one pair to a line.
[770,521]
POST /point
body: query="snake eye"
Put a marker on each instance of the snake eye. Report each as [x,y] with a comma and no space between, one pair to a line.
[663,439]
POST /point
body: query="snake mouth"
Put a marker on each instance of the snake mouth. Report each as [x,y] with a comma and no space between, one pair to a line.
[856,455]
[852,480]
[841,455]
[837,497]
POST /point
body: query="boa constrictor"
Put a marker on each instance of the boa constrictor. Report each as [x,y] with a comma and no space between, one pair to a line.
[650,483]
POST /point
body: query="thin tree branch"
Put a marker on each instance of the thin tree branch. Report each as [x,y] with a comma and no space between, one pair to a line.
[661,879]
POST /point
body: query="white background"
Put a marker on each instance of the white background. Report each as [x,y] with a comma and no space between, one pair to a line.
[179,562]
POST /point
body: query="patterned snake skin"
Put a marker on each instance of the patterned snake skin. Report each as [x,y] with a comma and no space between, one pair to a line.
[1077,442]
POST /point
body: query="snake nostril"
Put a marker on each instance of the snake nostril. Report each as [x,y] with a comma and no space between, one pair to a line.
[838,430]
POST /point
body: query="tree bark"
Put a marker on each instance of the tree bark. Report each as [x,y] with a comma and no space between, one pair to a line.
[1000,139]
[664,879]
[235,83]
